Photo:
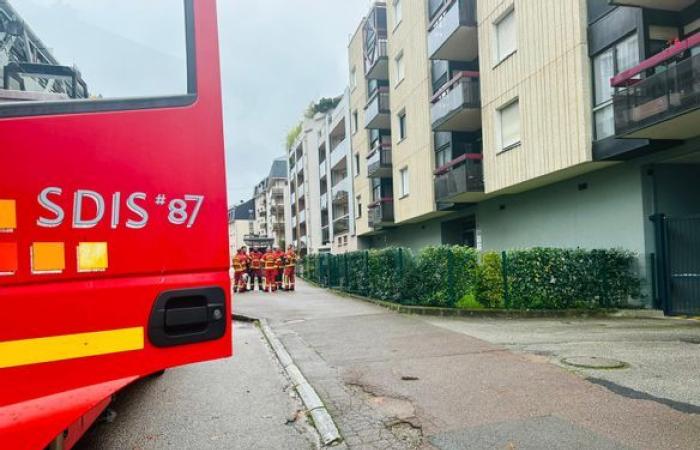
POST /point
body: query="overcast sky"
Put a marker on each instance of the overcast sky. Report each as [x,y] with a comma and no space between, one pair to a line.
[276,57]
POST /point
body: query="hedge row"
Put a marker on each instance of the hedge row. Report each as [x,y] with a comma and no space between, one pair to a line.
[454,276]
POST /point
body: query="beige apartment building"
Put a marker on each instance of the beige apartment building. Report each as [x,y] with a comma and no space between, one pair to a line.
[516,123]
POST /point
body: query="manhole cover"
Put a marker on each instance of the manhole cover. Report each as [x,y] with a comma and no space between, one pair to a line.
[594,362]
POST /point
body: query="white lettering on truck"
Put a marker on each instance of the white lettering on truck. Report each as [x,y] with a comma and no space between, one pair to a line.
[180,211]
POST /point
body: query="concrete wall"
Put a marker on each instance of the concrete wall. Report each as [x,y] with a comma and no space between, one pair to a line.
[676,189]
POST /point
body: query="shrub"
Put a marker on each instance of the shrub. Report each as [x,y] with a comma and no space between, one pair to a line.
[469,302]
[386,273]
[489,281]
[443,275]
[552,278]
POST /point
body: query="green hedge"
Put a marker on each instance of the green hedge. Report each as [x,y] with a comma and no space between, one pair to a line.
[454,276]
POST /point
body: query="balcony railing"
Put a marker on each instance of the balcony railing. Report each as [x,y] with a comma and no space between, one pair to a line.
[340,152]
[341,225]
[377,61]
[379,161]
[324,201]
[326,235]
[665,105]
[457,105]
[381,213]
[463,175]
[377,111]
[452,33]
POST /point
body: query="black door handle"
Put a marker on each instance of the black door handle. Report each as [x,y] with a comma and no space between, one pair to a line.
[188,316]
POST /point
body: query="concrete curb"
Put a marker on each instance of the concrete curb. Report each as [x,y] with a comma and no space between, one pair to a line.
[504,313]
[321,418]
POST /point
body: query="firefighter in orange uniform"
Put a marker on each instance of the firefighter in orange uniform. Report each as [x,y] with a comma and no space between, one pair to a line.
[290,263]
[255,270]
[269,265]
[279,267]
[240,265]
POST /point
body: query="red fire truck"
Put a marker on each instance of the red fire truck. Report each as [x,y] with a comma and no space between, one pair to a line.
[113,237]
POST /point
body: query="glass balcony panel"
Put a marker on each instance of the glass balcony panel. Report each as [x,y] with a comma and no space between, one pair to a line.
[464,175]
[665,105]
[452,34]
[457,106]
[377,111]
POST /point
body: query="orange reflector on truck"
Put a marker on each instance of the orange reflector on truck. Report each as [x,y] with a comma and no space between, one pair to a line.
[92,256]
[48,257]
[71,346]
[8,258]
[8,215]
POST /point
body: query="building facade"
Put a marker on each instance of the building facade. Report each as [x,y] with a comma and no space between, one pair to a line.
[271,204]
[320,189]
[241,223]
[507,124]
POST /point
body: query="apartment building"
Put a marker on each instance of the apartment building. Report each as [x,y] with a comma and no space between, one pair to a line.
[241,224]
[518,123]
[271,199]
[322,212]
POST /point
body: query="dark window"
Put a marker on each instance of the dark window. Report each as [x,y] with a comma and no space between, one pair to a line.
[402,125]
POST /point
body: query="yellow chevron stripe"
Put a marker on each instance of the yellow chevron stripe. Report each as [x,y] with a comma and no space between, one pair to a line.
[70,346]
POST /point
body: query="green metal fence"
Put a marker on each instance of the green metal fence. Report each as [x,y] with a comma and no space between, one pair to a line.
[449,276]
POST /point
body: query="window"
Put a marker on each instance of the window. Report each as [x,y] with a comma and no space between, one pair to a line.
[402,125]
[506,36]
[356,166]
[76,51]
[358,206]
[400,68]
[354,122]
[398,13]
[353,79]
[404,181]
[508,122]
[614,60]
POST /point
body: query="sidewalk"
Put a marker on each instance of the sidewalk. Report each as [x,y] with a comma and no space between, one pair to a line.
[396,381]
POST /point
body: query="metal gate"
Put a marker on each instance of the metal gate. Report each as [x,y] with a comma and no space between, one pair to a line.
[678,264]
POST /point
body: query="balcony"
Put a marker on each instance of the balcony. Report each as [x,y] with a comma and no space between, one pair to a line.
[452,33]
[664,5]
[341,225]
[457,105]
[377,61]
[381,213]
[302,217]
[341,192]
[461,180]
[340,152]
[379,160]
[326,235]
[341,199]
[377,111]
[324,201]
[374,34]
[665,105]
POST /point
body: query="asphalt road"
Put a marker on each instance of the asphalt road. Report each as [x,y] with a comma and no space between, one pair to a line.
[244,402]
[396,381]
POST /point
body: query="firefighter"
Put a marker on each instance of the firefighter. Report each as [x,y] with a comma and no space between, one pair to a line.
[279,267]
[269,265]
[255,270]
[290,260]
[240,265]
